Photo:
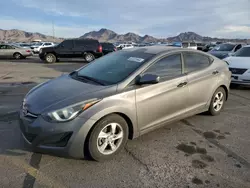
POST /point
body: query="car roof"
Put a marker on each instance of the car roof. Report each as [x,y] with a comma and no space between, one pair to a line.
[158,49]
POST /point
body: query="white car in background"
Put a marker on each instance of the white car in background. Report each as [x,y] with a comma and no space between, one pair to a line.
[125,46]
[190,45]
[239,65]
[36,48]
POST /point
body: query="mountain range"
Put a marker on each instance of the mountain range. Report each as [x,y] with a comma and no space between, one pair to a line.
[106,35]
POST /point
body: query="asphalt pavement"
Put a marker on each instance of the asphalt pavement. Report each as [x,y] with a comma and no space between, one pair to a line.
[201,151]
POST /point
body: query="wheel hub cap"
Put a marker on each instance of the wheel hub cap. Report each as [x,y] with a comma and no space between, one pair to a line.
[110,138]
[218,101]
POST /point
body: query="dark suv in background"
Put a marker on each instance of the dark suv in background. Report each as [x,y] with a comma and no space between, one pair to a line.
[108,47]
[89,49]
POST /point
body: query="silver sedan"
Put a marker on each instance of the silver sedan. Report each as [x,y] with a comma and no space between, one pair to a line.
[12,51]
[120,96]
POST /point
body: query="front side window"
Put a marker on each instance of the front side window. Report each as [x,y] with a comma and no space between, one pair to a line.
[243,52]
[195,61]
[167,67]
[67,44]
[115,67]
[2,47]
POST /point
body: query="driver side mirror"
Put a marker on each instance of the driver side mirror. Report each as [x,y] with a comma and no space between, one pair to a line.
[148,79]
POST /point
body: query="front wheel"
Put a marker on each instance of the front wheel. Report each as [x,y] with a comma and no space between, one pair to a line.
[50,58]
[108,137]
[217,102]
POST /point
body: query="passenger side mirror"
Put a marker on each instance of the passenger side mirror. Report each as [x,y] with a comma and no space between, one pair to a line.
[148,79]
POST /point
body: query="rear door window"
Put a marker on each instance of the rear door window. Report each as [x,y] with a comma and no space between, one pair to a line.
[195,61]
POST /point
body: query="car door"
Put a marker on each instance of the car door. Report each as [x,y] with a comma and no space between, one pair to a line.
[79,48]
[65,49]
[166,100]
[202,77]
[6,51]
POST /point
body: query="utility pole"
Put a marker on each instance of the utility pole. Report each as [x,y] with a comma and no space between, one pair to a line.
[53,29]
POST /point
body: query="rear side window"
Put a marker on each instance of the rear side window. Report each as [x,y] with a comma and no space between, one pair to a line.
[79,43]
[167,67]
[195,61]
[47,43]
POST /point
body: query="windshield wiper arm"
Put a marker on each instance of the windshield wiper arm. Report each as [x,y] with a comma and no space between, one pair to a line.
[91,79]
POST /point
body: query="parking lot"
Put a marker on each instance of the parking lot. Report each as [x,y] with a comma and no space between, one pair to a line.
[201,151]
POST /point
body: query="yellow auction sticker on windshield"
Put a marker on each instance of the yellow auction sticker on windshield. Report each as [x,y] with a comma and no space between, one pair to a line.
[136,59]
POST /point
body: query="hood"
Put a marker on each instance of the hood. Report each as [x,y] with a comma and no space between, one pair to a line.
[219,54]
[64,90]
[238,62]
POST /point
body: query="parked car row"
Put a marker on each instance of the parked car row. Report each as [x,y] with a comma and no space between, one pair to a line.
[236,55]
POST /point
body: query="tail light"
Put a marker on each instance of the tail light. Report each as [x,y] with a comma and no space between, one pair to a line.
[28,51]
[115,49]
[100,48]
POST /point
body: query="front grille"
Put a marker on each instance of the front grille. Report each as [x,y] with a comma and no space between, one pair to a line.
[57,140]
[237,71]
[30,137]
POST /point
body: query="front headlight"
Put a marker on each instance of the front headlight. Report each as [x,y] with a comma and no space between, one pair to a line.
[41,50]
[70,112]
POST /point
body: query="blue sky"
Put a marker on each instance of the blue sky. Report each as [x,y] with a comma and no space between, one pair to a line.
[160,18]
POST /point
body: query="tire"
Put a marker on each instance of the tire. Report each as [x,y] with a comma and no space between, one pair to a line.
[234,86]
[102,138]
[217,102]
[50,58]
[89,57]
[17,55]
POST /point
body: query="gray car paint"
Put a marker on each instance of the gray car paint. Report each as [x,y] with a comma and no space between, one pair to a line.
[144,107]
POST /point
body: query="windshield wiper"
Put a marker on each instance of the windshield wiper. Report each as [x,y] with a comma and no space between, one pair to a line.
[91,79]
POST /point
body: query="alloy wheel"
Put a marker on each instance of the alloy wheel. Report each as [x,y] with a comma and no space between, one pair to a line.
[218,101]
[110,138]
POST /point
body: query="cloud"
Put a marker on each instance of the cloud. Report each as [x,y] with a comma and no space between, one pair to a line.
[46,28]
[161,18]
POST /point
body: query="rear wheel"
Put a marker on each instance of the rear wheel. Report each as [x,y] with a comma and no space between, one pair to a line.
[17,55]
[108,137]
[217,102]
[50,58]
[89,57]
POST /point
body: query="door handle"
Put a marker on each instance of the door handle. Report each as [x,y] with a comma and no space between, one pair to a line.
[215,72]
[182,84]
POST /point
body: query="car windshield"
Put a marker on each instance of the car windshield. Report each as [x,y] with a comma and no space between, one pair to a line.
[224,47]
[243,52]
[115,67]
[38,44]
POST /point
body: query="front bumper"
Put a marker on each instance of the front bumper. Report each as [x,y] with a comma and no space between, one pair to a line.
[241,79]
[63,139]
